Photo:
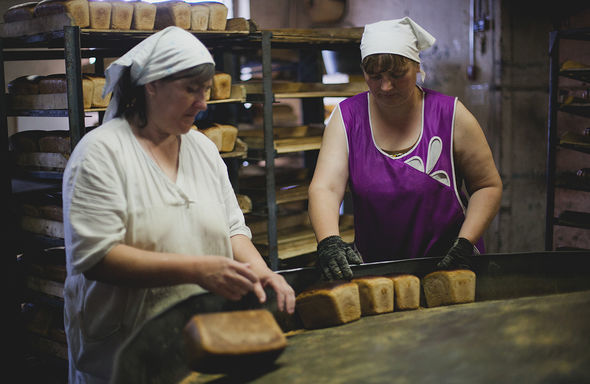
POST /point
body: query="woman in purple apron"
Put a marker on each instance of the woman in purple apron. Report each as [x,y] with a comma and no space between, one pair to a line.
[404,151]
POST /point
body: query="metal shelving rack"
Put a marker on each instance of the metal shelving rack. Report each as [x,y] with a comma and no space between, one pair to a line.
[570,142]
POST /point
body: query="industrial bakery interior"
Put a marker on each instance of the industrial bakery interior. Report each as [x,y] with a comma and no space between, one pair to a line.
[522,68]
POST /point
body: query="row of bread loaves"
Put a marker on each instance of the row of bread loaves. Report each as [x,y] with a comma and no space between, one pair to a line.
[126,15]
[339,302]
[92,86]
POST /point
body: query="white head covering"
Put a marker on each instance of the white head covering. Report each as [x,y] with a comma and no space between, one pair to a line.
[400,36]
[162,54]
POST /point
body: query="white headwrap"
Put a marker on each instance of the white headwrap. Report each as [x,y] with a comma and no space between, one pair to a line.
[162,54]
[400,36]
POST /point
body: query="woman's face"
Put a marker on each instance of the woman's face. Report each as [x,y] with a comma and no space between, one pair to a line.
[393,88]
[173,105]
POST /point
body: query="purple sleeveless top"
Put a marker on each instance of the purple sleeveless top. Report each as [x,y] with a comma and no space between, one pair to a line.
[408,206]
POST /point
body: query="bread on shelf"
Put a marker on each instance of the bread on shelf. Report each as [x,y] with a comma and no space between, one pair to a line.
[199,17]
[223,135]
[57,141]
[24,85]
[100,14]
[217,16]
[57,83]
[121,14]
[77,9]
[20,12]
[144,16]
[169,13]
[376,294]
[233,341]
[329,304]
[449,287]
[98,82]
[221,88]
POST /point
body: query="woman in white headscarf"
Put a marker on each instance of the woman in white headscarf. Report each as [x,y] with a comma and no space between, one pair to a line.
[404,151]
[150,216]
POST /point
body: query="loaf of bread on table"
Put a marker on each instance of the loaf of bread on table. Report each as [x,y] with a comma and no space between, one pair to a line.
[57,84]
[121,14]
[199,17]
[173,12]
[407,291]
[20,12]
[233,341]
[77,9]
[24,85]
[449,287]
[217,16]
[221,88]
[98,82]
[329,304]
[100,14]
[144,16]
[376,294]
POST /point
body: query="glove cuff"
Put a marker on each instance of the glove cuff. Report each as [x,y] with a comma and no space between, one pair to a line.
[329,241]
[463,245]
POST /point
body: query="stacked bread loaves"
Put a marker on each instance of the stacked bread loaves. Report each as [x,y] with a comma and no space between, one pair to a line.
[126,15]
[223,135]
[92,86]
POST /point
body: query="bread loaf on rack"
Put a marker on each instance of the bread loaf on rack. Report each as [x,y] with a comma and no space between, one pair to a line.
[57,83]
[77,9]
[98,82]
[221,88]
[24,85]
[121,14]
[217,16]
[177,13]
[100,14]
[57,141]
[144,16]
[199,17]
[20,12]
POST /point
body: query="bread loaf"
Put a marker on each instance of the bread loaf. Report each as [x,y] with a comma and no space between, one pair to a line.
[238,24]
[199,17]
[215,134]
[229,134]
[77,9]
[177,13]
[221,88]
[449,287]
[98,82]
[407,291]
[217,16]
[233,341]
[57,84]
[121,14]
[57,141]
[100,14]
[329,304]
[20,12]
[24,85]
[376,295]
[26,141]
[144,16]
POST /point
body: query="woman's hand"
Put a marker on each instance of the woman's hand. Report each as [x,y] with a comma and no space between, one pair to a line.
[284,292]
[228,278]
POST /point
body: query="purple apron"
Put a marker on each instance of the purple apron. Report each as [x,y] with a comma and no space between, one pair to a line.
[408,206]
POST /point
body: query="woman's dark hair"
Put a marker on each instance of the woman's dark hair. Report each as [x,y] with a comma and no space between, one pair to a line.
[132,97]
[385,62]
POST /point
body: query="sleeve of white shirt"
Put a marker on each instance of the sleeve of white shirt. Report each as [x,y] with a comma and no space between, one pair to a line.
[235,216]
[94,206]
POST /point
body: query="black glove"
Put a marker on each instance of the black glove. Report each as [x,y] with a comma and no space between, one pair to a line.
[458,256]
[334,257]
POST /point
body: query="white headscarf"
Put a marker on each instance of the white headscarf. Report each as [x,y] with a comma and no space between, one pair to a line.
[162,54]
[400,36]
